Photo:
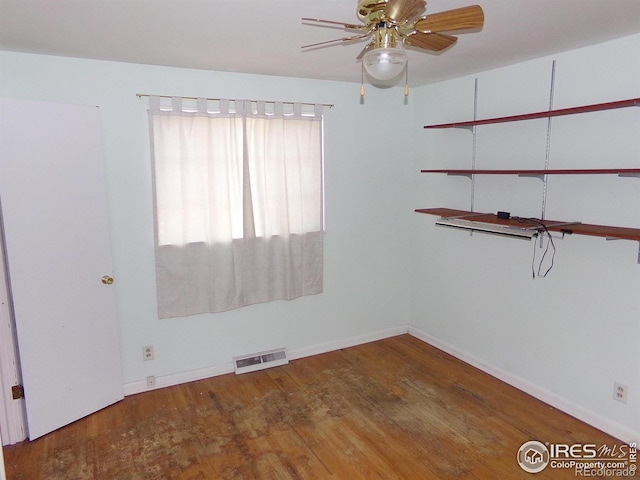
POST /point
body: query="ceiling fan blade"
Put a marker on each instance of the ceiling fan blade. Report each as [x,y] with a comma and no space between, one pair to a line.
[403,11]
[349,26]
[465,18]
[336,40]
[430,41]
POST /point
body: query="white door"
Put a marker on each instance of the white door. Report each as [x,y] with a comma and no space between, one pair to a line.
[54,209]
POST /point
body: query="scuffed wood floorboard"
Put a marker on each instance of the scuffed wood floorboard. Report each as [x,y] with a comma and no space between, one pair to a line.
[396,409]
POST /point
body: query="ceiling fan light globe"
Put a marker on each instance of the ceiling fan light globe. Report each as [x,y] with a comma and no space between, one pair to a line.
[384,63]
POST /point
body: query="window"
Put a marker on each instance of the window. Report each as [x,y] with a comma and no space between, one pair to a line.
[238,204]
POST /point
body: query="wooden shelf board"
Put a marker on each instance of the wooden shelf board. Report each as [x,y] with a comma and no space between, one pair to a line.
[578,228]
[592,171]
[546,114]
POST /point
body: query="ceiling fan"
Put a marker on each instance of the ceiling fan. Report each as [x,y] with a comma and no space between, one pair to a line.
[393,23]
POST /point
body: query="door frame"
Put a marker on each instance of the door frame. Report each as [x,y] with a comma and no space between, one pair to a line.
[12,412]
[3,475]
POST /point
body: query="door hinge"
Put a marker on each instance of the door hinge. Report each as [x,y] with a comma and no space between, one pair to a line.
[17,392]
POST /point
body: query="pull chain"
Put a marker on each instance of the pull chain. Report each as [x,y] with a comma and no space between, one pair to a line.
[406,80]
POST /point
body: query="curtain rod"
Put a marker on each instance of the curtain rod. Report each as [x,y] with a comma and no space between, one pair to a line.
[140,95]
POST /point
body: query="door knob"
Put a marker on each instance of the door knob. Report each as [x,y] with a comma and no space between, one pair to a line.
[107,280]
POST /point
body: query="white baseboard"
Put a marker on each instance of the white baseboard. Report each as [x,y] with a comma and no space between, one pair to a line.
[595,420]
[296,353]
[178,378]
[346,342]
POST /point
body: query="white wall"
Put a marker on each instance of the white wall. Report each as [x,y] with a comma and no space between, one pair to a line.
[367,211]
[565,338]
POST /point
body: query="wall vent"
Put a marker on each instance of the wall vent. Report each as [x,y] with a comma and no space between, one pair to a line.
[260,361]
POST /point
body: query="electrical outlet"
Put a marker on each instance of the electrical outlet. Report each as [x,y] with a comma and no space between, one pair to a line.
[620,392]
[147,353]
[151,381]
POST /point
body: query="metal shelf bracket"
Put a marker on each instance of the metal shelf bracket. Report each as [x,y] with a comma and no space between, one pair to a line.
[539,176]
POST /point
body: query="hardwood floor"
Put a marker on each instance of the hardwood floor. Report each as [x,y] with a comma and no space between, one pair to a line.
[397,409]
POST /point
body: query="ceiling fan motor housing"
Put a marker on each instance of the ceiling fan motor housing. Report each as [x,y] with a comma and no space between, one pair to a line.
[371,11]
[384,36]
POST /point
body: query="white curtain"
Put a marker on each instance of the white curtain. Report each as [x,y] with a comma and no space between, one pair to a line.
[238,203]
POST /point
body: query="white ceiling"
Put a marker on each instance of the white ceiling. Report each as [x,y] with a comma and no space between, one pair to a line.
[265,36]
